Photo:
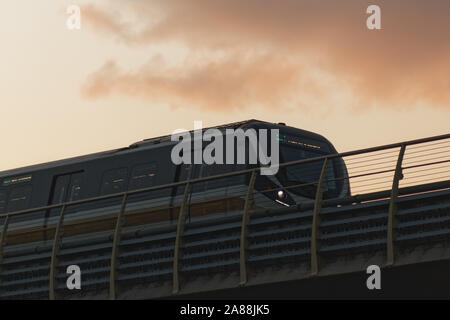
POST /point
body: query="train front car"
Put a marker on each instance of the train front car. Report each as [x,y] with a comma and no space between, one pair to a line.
[294,184]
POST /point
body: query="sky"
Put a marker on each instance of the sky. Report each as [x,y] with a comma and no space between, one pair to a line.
[138,69]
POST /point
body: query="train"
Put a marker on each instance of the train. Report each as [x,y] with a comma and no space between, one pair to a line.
[75,204]
[147,163]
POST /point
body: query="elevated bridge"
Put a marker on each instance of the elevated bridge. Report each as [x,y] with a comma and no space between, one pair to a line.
[238,243]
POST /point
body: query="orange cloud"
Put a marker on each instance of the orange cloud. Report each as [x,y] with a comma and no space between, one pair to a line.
[229,84]
[304,43]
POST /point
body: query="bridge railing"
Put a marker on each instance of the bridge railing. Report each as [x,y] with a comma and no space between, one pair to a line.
[387,171]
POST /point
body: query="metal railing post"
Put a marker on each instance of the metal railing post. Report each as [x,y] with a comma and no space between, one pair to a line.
[178,240]
[55,251]
[115,249]
[2,244]
[393,207]
[244,229]
[316,220]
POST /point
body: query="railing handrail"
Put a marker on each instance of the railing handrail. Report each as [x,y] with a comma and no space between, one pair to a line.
[226,175]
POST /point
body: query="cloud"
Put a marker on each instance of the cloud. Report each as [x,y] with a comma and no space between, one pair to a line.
[104,22]
[291,52]
[231,83]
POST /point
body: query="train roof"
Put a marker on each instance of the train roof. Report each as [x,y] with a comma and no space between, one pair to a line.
[148,143]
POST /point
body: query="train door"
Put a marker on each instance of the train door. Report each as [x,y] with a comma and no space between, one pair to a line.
[66,188]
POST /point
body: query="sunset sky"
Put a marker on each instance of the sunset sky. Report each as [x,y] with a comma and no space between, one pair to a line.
[138,69]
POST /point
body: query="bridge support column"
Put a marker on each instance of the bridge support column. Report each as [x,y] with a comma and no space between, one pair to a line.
[316,220]
[398,175]
[55,251]
[178,240]
[115,249]
[244,229]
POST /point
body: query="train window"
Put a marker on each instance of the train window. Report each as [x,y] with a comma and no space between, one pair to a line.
[306,174]
[185,172]
[143,176]
[60,189]
[76,181]
[218,169]
[301,173]
[114,181]
[331,178]
[3,199]
[19,198]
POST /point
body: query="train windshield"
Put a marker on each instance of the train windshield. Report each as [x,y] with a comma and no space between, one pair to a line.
[304,175]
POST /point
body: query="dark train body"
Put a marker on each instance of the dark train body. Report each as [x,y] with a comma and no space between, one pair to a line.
[148,163]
